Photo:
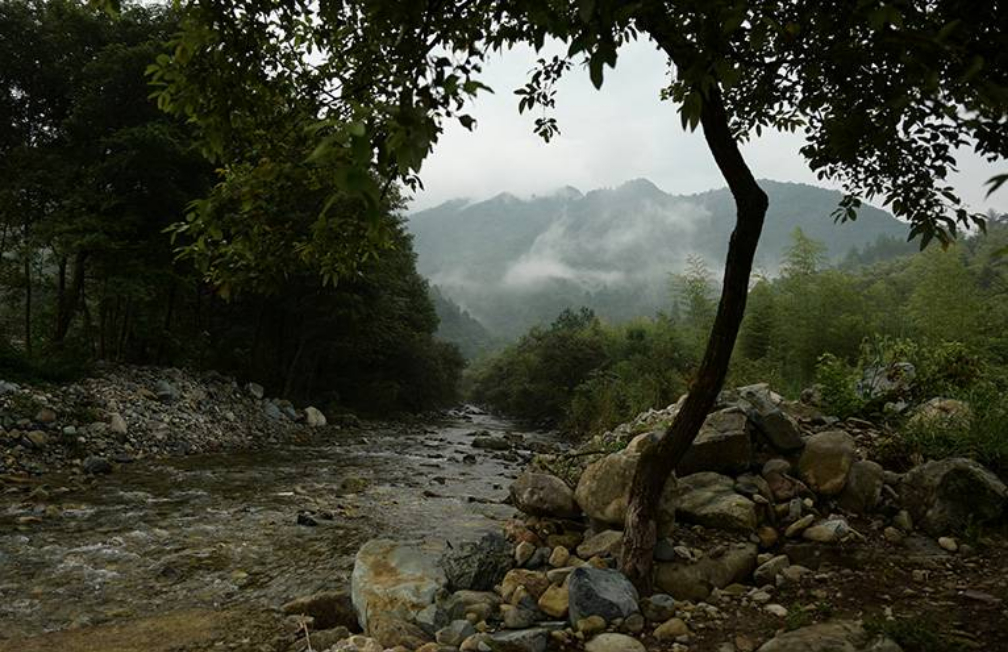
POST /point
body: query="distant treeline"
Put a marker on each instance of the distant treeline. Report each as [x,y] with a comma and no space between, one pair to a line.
[587,376]
[91,175]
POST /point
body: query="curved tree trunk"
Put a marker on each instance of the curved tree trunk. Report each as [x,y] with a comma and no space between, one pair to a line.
[658,462]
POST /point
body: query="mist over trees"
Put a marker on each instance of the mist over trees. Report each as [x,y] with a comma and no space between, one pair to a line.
[514,263]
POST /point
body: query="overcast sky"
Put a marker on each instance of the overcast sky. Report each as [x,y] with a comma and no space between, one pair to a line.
[607,137]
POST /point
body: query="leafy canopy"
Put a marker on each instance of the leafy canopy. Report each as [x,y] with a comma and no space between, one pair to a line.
[885,91]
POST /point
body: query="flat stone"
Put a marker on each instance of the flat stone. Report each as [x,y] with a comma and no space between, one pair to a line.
[833,636]
[605,543]
[709,499]
[828,531]
[611,642]
[767,572]
[671,630]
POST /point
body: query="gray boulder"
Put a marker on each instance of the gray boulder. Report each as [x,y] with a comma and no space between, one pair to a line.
[542,494]
[777,427]
[600,592]
[709,499]
[477,565]
[945,495]
[722,445]
[864,487]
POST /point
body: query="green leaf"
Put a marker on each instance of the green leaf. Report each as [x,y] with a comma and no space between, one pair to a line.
[595,70]
[995,183]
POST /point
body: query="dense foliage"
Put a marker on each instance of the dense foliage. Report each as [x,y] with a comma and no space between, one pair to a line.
[92,175]
[945,311]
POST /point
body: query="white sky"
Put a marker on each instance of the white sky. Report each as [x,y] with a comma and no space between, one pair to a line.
[610,136]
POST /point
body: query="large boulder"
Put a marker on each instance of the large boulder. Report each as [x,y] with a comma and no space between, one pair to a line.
[694,580]
[834,636]
[542,494]
[826,461]
[864,487]
[777,427]
[948,494]
[603,491]
[600,592]
[394,580]
[709,499]
[722,445]
[477,565]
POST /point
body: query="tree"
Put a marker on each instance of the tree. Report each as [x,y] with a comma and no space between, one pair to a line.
[884,91]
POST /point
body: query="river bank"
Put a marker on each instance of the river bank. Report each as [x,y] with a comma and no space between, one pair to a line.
[123,414]
[219,534]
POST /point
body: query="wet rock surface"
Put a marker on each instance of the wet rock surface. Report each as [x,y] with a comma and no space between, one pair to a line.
[219,531]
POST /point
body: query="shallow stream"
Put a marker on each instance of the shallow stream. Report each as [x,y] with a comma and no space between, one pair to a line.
[247,529]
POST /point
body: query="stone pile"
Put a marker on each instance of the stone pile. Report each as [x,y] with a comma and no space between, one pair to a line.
[126,412]
[769,490]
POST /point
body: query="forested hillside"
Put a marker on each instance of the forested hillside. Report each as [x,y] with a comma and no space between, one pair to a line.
[92,175]
[945,311]
[515,263]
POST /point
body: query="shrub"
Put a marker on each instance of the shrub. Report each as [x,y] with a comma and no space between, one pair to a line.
[838,383]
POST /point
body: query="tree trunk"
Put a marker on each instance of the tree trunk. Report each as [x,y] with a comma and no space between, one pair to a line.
[69,301]
[28,293]
[657,463]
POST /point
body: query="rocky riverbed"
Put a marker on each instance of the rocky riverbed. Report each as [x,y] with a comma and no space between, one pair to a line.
[780,534]
[185,552]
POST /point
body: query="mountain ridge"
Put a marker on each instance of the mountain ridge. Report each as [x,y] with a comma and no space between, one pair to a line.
[514,262]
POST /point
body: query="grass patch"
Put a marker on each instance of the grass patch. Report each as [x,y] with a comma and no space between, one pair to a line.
[983,435]
[913,634]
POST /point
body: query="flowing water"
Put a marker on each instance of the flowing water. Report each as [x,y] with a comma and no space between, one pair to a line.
[218,531]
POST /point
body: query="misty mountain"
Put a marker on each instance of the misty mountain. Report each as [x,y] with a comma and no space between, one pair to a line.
[512,263]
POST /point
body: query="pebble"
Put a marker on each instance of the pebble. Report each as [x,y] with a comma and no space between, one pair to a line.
[776,610]
[671,629]
[948,543]
[798,526]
